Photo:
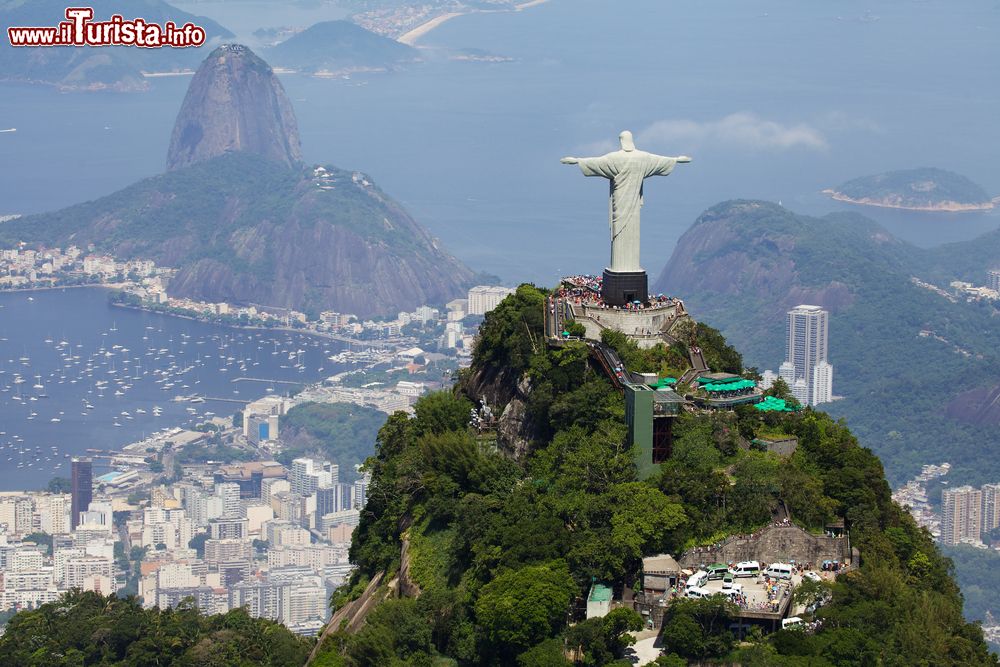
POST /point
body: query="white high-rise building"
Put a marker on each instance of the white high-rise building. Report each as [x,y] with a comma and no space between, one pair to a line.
[806,369]
[822,383]
[273,486]
[88,573]
[484,298]
[230,494]
[767,379]
[991,507]
[53,512]
[961,515]
[307,475]
[361,491]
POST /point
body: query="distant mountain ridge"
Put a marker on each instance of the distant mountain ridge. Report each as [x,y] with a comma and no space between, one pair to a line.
[242,229]
[339,46]
[117,68]
[903,355]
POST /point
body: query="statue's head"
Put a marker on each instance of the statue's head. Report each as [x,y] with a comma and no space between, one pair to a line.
[626,139]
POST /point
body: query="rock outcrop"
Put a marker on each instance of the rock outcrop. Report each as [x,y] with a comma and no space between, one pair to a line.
[234,103]
[245,222]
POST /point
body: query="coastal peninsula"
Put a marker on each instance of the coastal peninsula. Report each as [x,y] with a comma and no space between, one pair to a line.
[926,189]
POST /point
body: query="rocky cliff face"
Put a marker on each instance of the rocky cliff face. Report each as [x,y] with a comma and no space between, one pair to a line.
[234,103]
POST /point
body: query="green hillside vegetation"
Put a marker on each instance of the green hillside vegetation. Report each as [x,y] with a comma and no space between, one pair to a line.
[197,204]
[340,432]
[894,406]
[336,46]
[502,549]
[118,67]
[89,629]
[245,230]
[974,572]
[915,188]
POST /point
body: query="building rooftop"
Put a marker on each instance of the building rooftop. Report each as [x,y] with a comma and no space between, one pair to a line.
[600,593]
[661,563]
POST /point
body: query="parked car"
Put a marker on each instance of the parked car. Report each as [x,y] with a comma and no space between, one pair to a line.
[717,570]
[779,571]
[698,592]
[747,568]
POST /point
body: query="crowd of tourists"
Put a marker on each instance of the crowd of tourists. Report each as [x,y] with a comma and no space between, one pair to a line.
[582,289]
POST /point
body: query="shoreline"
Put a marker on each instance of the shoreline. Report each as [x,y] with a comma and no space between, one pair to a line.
[254,327]
[192,318]
[410,37]
[154,75]
[13,290]
[947,207]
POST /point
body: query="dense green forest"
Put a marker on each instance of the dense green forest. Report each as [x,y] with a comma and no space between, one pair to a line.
[502,548]
[342,433]
[89,629]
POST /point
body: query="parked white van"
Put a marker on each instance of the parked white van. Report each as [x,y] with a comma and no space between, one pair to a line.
[791,622]
[698,592]
[737,589]
[779,571]
[696,580]
[747,568]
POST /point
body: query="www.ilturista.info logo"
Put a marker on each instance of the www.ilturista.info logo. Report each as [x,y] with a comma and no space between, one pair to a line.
[79,29]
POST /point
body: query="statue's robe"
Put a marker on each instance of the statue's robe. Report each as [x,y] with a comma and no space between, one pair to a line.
[626,170]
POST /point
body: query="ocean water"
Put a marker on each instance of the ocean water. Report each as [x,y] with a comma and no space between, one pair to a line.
[774,99]
[62,350]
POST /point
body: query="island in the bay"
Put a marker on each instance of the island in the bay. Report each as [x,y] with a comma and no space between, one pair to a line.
[924,189]
[336,48]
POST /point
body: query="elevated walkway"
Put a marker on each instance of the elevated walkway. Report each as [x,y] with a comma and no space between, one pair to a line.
[698,366]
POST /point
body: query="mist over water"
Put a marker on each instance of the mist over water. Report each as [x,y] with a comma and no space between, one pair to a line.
[774,100]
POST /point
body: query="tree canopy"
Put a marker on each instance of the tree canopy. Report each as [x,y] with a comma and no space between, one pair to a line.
[90,629]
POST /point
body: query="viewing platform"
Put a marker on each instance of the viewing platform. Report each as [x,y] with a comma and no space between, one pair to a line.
[648,323]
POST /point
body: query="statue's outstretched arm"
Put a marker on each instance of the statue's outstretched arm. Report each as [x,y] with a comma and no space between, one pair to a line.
[570,160]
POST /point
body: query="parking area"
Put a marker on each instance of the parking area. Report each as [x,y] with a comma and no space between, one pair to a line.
[756,594]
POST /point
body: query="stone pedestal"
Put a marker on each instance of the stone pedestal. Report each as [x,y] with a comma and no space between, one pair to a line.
[625,287]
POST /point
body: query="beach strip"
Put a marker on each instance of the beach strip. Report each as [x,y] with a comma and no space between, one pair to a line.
[410,38]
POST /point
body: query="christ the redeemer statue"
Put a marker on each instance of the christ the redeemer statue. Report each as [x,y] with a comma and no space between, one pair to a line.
[626,169]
